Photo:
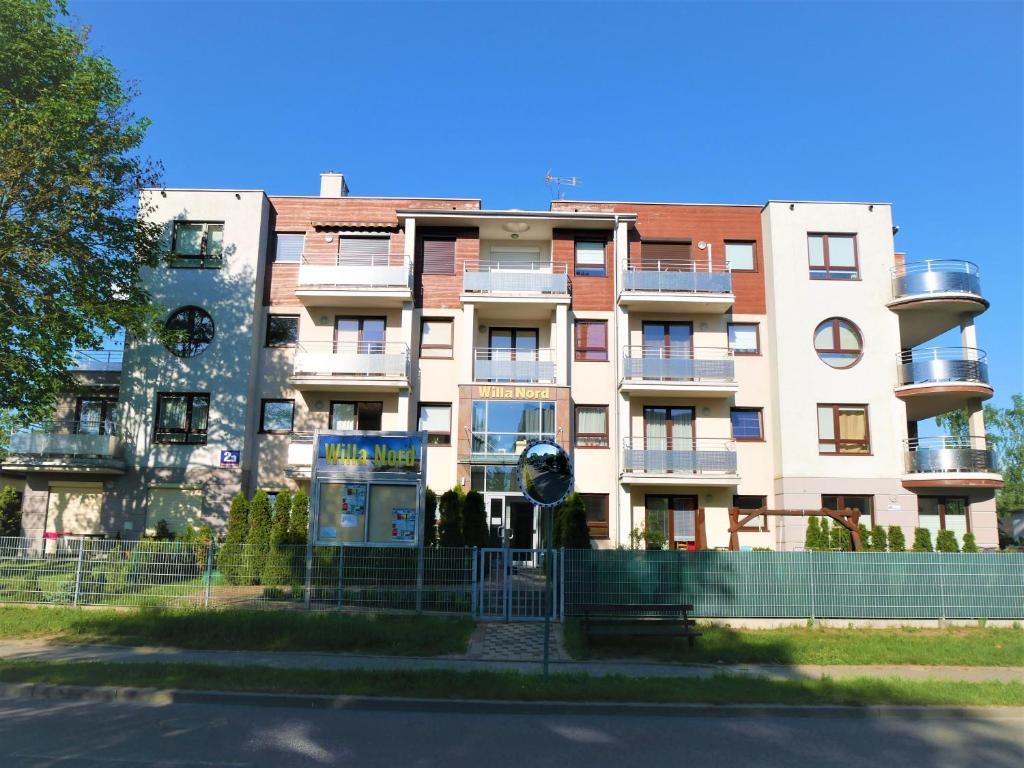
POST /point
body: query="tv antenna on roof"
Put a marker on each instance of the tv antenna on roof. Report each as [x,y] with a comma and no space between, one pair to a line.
[558,182]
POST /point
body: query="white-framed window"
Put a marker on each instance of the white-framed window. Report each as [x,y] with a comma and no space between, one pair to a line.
[740,257]
[744,339]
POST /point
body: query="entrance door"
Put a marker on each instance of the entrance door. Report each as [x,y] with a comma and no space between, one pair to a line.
[511,521]
[674,518]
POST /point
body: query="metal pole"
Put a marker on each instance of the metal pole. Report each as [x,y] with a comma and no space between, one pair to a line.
[209,573]
[78,571]
[548,573]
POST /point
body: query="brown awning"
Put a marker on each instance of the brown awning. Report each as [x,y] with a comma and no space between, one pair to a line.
[364,225]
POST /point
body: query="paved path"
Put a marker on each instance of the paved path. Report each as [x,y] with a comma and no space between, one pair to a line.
[90,734]
[41,650]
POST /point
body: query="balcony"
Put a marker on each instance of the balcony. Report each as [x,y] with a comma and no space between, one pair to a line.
[356,365]
[683,285]
[519,366]
[300,455]
[501,447]
[698,371]
[936,380]
[97,359]
[530,282]
[932,296]
[323,281]
[694,461]
[88,447]
[949,460]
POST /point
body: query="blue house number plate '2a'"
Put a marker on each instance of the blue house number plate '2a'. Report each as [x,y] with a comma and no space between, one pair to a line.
[230,458]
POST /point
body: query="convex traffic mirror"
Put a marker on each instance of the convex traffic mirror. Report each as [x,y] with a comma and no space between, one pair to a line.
[545,473]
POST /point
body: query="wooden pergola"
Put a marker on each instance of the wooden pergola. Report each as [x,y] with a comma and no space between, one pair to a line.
[848,518]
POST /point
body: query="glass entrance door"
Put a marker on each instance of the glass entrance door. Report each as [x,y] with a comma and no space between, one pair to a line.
[512,522]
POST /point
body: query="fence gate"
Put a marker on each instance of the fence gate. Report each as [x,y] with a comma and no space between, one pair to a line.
[511,584]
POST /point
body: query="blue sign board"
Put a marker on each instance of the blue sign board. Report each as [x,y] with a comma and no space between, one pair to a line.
[230,458]
[370,453]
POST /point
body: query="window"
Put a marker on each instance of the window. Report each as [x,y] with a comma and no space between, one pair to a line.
[359,335]
[198,240]
[282,330]
[590,260]
[182,417]
[288,248]
[94,416]
[843,429]
[277,415]
[747,424]
[592,426]
[362,416]
[943,513]
[368,251]
[739,257]
[838,342]
[668,428]
[591,340]
[439,256]
[436,337]
[190,331]
[672,517]
[864,504]
[436,420]
[833,257]
[746,504]
[597,514]
[745,338]
[506,426]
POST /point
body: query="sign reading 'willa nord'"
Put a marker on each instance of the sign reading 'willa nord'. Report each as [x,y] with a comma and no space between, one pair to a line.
[370,453]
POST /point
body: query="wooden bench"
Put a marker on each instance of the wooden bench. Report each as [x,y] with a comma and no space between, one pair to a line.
[665,619]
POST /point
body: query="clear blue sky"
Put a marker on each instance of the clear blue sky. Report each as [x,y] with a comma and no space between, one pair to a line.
[919,104]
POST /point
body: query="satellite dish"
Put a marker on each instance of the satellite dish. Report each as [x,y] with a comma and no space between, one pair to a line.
[545,473]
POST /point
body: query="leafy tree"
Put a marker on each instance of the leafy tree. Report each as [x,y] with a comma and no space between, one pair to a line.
[945,541]
[879,541]
[73,240]
[451,518]
[922,540]
[812,536]
[430,519]
[970,543]
[257,543]
[474,520]
[575,533]
[230,559]
[10,512]
[897,541]
[298,527]
[954,423]
[278,567]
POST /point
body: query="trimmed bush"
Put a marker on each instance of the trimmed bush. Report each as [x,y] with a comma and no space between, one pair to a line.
[258,541]
[945,541]
[970,543]
[897,541]
[450,531]
[430,519]
[278,567]
[812,536]
[575,533]
[10,512]
[922,540]
[879,541]
[229,560]
[474,520]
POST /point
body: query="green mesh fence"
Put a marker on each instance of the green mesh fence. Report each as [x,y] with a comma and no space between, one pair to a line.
[874,585]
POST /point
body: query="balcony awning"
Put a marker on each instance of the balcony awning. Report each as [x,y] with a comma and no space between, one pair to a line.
[390,223]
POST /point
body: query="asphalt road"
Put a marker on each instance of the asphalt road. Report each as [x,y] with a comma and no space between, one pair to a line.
[79,734]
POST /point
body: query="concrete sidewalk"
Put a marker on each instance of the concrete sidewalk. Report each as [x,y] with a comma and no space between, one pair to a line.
[43,650]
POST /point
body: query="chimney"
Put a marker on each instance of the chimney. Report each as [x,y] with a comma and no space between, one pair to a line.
[333,184]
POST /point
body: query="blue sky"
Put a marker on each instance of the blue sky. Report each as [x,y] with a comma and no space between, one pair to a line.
[915,103]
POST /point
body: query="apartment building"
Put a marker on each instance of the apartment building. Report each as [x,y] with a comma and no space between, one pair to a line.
[692,358]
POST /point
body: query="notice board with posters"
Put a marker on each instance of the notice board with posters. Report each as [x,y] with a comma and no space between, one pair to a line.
[368,488]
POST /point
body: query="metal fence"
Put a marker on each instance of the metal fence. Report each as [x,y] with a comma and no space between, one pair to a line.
[876,585]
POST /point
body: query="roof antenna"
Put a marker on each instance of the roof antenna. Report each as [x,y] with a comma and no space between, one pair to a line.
[557,182]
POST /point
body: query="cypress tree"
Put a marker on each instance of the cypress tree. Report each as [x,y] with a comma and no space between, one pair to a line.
[474,520]
[277,569]
[430,519]
[922,540]
[450,530]
[970,543]
[298,527]
[879,541]
[257,543]
[229,561]
[812,536]
[575,533]
[945,541]
[897,541]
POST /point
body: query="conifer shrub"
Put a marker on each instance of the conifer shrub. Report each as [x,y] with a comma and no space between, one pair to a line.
[897,541]
[575,533]
[450,529]
[257,543]
[970,543]
[922,540]
[879,541]
[474,520]
[298,527]
[865,536]
[812,536]
[430,519]
[279,553]
[945,541]
[230,560]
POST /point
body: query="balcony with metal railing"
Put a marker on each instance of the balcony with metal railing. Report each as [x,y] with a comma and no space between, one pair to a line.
[674,284]
[538,280]
[514,366]
[300,454]
[950,460]
[97,359]
[67,446]
[327,280]
[700,371]
[932,296]
[351,365]
[934,380]
[679,461]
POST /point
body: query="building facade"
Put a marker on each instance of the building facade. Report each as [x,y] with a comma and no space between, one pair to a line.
[693,359]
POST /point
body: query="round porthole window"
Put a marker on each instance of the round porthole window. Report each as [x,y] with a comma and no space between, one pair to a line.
[838,342]
[189,331]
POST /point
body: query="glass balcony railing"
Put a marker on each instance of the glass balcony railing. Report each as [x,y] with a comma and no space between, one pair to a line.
[68,439]
[682,456]
[519,366]
[949,453]
[326,272]
[677,277]
[538,278]
[357,358]
[97,359]
[657,363]
[938,365]
[935,276]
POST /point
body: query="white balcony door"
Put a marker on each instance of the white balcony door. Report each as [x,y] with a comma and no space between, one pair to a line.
[668,429]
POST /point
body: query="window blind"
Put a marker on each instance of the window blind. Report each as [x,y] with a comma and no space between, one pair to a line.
[439,256]
[364,251]
[288,248]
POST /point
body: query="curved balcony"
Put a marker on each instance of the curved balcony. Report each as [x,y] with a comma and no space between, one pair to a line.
[699,371]
[950,460]
[690,461]
[683,285]
[936,380]
[352,365]
[94,447]
[932,296]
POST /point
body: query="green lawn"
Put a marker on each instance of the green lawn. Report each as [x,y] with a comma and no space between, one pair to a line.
[516,686]
[966,646]
[269,630]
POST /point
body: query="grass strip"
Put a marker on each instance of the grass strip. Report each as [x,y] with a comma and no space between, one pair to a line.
[243,629]
[953,646]
[517,686]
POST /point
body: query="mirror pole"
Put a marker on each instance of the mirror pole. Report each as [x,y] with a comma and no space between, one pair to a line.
[548,575]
